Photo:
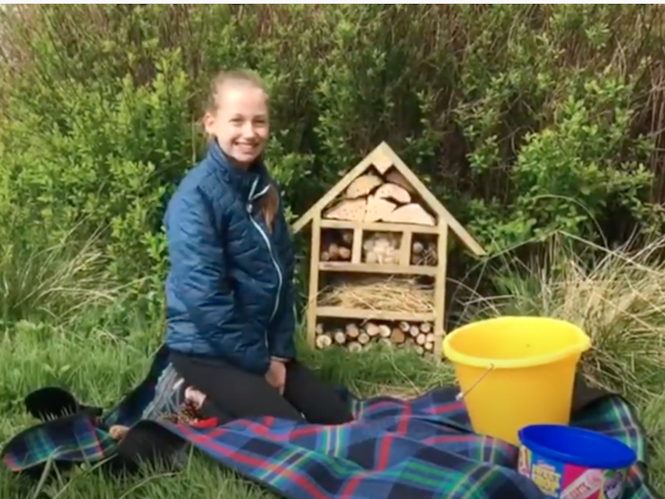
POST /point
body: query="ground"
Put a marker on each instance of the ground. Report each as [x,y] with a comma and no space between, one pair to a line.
[99,367]
[100,345]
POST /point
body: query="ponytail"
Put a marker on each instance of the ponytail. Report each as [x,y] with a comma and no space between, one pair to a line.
[269,206]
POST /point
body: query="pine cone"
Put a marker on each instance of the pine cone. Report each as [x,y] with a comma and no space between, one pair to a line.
[189,412]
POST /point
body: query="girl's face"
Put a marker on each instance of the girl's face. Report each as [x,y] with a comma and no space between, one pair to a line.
[240,122]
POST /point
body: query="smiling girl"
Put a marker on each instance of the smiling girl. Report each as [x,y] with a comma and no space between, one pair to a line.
[230,299]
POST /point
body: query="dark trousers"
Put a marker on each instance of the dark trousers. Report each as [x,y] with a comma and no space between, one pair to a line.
[232,393]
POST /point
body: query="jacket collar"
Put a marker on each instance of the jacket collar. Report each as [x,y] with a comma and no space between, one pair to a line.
[251,183]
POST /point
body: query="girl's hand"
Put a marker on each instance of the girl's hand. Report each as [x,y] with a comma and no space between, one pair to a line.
[276,375]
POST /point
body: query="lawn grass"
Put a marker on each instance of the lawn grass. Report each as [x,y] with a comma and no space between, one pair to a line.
[104,349]
[99,366]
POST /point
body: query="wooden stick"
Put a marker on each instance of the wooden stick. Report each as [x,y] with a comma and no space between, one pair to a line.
[417,248]
[414,331]
[347,236]
[405,248]
[357,245]
[404,326]
[364,338]
[429,346]
[420,350]
[440,290]
[421,339]
[320,329]
[313,287]
[431,337]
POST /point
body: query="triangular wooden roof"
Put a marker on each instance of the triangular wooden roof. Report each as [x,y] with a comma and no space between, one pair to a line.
[383,157]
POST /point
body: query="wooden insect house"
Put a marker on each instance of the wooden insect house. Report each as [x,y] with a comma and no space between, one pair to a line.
[378,259]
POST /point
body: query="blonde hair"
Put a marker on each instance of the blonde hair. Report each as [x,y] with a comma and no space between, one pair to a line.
[269,203]
[237,76]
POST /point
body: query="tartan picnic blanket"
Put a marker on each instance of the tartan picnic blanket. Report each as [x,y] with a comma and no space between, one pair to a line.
[413,449]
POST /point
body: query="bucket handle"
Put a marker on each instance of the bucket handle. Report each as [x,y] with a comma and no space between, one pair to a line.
[461,395]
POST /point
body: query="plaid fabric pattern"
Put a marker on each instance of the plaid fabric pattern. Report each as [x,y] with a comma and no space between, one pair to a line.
[417,449]
[74,439]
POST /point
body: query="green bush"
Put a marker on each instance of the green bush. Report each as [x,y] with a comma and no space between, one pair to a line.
[523,119]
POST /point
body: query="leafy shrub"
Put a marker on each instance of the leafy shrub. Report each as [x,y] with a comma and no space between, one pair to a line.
[523,119]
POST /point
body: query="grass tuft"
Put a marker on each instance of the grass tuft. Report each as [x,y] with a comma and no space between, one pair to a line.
[616,296]
[57,282]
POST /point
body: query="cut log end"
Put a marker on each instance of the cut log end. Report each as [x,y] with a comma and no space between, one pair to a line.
[334,252]
[354,347]
[398,337]
[352,331]
[323,341]
[425,327]
[344,253]
[364,338]
[385,342]
[385,331]
[372,329]
[339,337]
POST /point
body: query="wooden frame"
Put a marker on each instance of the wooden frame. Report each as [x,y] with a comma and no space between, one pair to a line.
[382,158]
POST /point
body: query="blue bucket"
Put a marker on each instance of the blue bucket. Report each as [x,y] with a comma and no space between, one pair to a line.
[567,462]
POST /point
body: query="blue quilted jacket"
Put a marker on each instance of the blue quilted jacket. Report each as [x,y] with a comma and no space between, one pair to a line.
[229,290]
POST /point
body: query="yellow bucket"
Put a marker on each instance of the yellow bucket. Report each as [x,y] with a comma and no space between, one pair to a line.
[516,371]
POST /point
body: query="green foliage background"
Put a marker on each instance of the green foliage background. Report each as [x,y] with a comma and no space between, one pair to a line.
[523,120]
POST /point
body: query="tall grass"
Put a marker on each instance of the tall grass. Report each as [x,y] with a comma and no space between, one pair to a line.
[616,295]
[56,282]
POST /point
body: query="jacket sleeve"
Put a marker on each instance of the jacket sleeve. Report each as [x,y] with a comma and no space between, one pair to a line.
[200,277]
[282,331]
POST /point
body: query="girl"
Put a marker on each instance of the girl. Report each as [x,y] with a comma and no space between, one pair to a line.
[230,318]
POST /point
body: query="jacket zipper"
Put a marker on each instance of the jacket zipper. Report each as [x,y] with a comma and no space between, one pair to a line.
[280,278]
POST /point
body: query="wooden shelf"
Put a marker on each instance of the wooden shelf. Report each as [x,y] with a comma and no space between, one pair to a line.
[379,226]
[355,313]
[376,268]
